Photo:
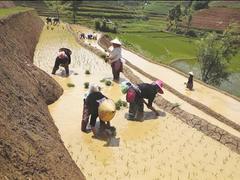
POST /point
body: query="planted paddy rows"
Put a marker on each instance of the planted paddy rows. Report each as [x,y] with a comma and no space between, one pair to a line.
[160,148]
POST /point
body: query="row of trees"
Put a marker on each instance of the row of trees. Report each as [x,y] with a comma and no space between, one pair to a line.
[68,8]
[215,52]
[105,27]
[183,12]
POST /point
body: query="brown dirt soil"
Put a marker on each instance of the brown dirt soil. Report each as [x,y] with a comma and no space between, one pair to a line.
[30,145]
[215,18]
[6,4]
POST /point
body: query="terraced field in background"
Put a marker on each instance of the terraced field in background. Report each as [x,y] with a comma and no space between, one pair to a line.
[147,36]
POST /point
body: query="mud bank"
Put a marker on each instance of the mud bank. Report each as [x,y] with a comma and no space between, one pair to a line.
[30,145]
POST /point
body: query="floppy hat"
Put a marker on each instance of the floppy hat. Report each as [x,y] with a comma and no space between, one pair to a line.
[159,83]
[116,41]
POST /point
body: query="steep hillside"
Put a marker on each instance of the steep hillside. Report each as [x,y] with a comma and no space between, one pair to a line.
[30,145]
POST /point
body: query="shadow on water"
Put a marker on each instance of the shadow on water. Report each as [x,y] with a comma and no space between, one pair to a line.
[232,85]
[107,136]
[149,115]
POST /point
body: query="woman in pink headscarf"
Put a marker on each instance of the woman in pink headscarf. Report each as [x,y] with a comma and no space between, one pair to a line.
[142,91]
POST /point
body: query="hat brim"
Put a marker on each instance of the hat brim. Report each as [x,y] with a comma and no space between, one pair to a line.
[160,91]
[116,42]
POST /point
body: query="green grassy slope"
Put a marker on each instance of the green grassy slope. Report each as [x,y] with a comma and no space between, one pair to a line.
[13,10]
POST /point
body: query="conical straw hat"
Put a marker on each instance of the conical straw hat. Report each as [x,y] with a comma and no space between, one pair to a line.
[106,110]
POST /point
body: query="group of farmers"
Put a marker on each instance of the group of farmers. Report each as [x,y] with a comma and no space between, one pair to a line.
[94,99]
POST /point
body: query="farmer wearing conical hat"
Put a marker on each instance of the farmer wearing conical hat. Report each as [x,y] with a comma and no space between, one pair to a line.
[190,81]
[136,95]
[115,59]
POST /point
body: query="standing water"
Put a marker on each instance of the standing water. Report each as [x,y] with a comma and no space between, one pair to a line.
[158,148]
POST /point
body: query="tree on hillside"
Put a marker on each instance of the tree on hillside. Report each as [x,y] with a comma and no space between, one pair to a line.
[214,53]
[72,7]
[187,13]
[200,4]
[57,6]
[174,15]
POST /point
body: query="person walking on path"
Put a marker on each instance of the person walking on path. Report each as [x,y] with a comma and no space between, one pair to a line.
[115,59]
[136,95]
[189,84]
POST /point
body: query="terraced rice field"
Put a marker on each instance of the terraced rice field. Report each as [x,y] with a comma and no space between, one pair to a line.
[158,148]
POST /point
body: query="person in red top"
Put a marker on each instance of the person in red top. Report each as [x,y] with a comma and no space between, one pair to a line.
[62,59]
[144,91]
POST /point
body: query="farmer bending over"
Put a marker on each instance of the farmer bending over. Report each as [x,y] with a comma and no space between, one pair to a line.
[137,94]
[63,60]
[92,101]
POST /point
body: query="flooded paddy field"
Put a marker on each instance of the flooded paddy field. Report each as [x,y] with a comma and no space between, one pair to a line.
[158,148]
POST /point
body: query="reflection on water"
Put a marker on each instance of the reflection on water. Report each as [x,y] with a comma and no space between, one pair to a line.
[232,85]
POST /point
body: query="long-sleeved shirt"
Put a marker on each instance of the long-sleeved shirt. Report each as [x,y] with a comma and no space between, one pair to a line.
[148,91]
[115,54]
[92,101]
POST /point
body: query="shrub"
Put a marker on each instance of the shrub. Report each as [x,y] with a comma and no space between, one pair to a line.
[197,5]
[191,33]
[97,25]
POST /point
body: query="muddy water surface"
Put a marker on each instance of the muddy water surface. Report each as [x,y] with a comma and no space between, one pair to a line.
[158,148]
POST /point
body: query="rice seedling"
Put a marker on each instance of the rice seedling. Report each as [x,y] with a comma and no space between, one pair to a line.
[103,80]
[87,72]
[86,85]
[124,104]
[70,85]
[108,83]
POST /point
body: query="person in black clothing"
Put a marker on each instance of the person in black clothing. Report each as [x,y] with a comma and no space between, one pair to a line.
[49,20]
[144,91]
[190,81]
[92,101]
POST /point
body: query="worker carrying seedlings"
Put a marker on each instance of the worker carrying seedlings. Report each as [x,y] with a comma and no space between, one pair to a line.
[136,95]
[93,101]
[189,84]
[61,60]
[114,59]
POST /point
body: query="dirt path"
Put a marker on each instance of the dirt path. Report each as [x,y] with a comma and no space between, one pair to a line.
[162,148]
[215,100]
